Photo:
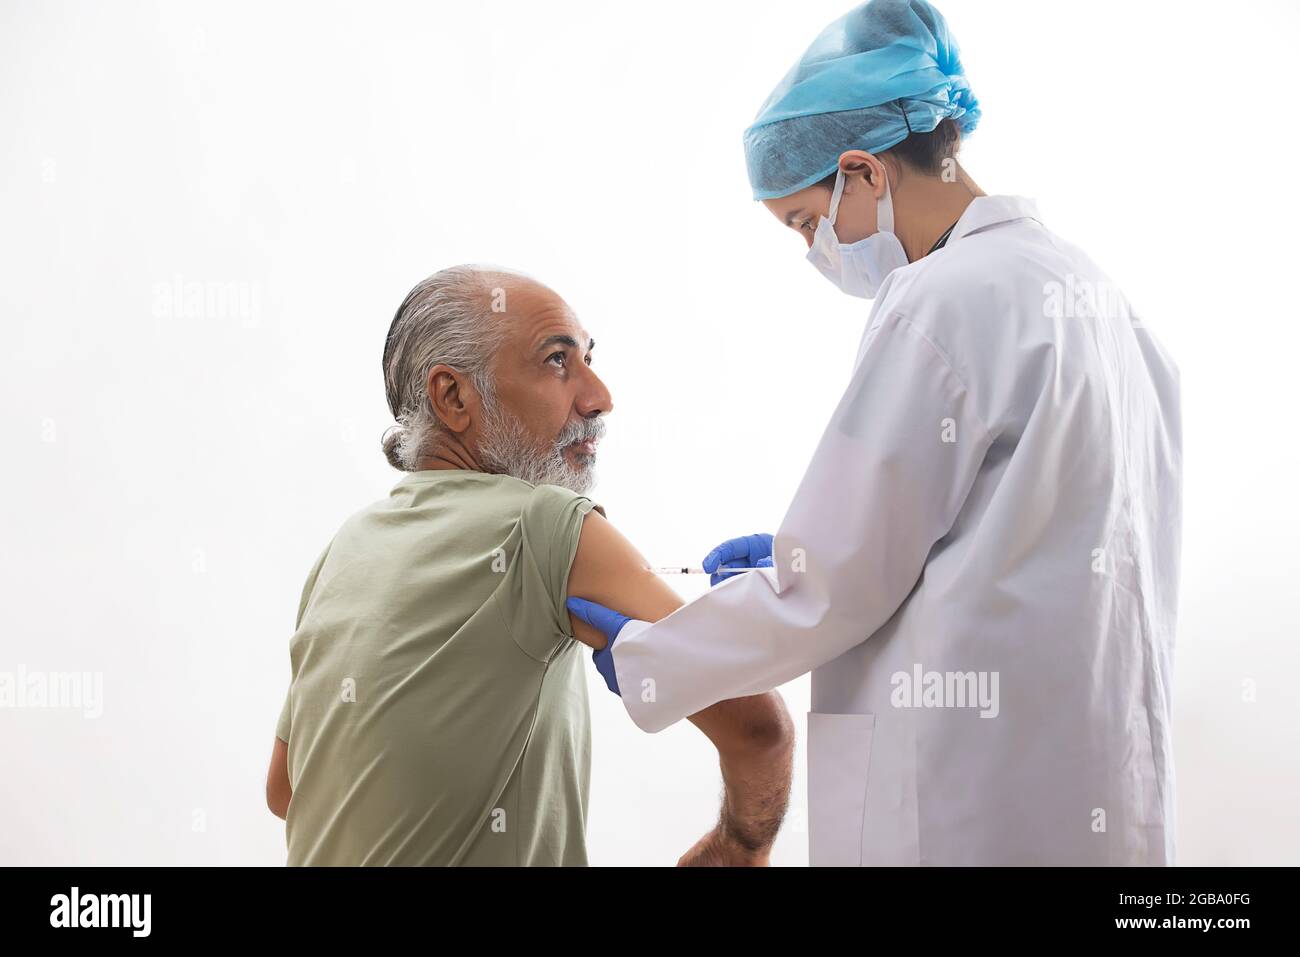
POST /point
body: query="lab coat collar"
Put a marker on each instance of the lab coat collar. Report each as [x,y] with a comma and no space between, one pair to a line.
[986,211]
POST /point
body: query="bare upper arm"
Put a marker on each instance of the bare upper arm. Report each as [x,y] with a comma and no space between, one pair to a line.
[609,570]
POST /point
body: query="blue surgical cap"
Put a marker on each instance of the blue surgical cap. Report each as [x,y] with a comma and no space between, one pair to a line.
[883,70]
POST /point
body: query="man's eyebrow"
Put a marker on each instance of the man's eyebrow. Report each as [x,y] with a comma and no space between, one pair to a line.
[564,340]
[792,215]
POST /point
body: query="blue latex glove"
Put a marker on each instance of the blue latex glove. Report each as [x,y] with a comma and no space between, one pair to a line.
[611,623]
[748,551]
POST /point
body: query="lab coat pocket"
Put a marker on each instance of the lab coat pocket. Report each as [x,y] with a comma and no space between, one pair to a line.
[839,755]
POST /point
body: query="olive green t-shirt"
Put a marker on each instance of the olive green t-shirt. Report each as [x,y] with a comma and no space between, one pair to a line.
[438,709]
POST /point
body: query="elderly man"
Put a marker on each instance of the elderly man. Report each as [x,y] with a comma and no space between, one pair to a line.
[438,709]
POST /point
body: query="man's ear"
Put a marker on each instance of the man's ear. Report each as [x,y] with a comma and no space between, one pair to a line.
[449,395]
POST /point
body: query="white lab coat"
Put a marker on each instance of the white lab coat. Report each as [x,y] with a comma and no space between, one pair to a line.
[998,494]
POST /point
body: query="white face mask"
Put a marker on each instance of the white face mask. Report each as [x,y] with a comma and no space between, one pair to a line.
[857,268]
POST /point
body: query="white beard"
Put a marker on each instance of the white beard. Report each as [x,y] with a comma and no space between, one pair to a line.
[506,448]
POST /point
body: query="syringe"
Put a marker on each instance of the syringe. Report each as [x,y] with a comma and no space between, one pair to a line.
[684,570]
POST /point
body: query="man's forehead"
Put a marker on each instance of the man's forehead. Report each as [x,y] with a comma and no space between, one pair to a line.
[536,313]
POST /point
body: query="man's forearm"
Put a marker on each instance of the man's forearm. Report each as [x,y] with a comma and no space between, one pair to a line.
[756,777]
[755,740]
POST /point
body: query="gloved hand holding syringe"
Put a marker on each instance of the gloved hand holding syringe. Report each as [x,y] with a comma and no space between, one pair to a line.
[748,553]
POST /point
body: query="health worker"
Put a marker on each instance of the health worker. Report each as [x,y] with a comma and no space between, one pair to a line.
[980,565]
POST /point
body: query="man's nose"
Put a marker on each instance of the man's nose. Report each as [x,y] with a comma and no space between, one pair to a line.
[594,399]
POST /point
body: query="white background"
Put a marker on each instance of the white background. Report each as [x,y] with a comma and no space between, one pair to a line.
[169,478]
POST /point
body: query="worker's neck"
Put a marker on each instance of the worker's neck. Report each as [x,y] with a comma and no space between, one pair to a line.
[925,206]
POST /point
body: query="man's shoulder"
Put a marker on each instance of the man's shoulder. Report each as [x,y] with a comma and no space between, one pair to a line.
[457,499]
[458,491]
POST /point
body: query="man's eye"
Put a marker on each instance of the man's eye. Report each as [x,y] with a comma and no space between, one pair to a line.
[806,224]
[556,355]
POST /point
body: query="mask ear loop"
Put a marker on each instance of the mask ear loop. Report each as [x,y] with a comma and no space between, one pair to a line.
[885,208]
[836,193]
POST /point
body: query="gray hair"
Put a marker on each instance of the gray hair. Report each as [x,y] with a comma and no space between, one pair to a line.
[446,319]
